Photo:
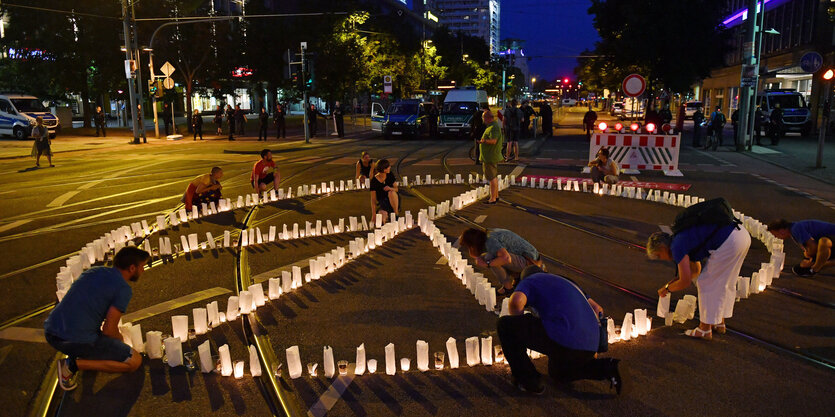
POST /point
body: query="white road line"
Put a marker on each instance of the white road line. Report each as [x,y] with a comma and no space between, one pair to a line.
[174,304]
[63,198]
[23,334]
[12,225]
[634,178]
[332,395]
[518,170]
[481,218]
[666,229]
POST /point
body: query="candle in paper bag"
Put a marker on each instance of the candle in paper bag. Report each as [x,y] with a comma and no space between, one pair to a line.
[506,306]
[649,324]
[257,294]
[210,240]
[232,308]
[136,338]
[225,360]
[663,306]
[391,362]
[204,351]
[201,320]
[244,238]
[254,362]
[184,242]
[161,222]
[227,239]
[295,230]
[626,328]
[742,287]
[640,321]
[318,229]
[124,330]
[360,367]
[682,311]
[405,364]
[245,302]
[428,179]
[146,246]
[179,327]
[297,276]
[487,350]
[274,288]
[294,363]
[328,362]
[154,344]
[610,329]
[372,366]
[239,369]
[173,351]
[378,220]
[422,356]
[691,301]
[473,357]
[183,216]
[212,313]
[271,236]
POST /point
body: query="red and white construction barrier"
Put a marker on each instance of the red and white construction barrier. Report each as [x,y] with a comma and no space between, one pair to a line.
[634,152]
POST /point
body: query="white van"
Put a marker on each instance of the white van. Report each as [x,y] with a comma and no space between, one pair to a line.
[796,115]
[460,105]
[18,113]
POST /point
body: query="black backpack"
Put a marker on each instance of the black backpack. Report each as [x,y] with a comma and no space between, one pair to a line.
[710,212]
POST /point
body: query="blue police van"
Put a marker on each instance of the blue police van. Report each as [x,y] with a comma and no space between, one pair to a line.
[18,113]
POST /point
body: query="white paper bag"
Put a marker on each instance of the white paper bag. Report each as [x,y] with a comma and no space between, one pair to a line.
[422,356]
[487,350]
[154,344]
[225,360]
[391,362]
[473,357]
[327,362]
[294,363]
[204,351]
[174,351]
[360,367]
[254,362]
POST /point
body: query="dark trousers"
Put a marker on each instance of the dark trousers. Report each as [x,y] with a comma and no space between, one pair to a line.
[312,127]
[340,127]
[280,129]
[523,332]
[262,131]
[169,125]
[697,136]
[232,129]
[103,132]
[241,125]
[198,131]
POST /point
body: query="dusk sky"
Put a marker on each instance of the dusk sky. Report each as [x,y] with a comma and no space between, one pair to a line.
[550,28]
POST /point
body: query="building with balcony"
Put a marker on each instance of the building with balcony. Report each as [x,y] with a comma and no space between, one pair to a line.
[478,18]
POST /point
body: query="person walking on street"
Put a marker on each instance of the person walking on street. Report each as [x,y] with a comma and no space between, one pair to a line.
[197,124]
[566,328]
[167,119]
[698,119]
[547,119]
[512,128]
[735,124]
[477,131]
[589,120]
[42,145]
[433,116]
[230,120]
[240,120]
[491,154]
[85,323]
[338,118]
[501,251]
[665,116]
[278,120]
[717,124]
[219,119]
[101,122]
[263,122]
[758,125]
[815,239]
[312,122]
[528,114]
[775,119]
[265,176]
[704,232]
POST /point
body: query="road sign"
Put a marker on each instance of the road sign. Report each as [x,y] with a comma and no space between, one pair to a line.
[634,85]
[811,62]
[167,69]
[168,83]
[387,84]
[130,68]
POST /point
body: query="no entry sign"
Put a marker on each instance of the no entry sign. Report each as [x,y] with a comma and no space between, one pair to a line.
[634,85]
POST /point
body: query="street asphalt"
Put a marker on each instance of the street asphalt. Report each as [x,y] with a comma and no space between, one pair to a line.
[402,292]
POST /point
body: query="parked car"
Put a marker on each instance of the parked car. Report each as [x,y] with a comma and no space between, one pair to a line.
[616,110]
[18,113]
[690,108]
[796,116]
[568,102]
[459,107]
[402,118]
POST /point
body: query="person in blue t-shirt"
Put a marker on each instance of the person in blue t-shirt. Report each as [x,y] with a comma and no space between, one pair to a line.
[564,327]
[815,239]
[725,246]
[85,324]
[505,253]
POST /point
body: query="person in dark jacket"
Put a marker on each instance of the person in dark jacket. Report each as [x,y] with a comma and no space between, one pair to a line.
[167,119]
[665,115]
[434,114]
[527,115]
[230,120]
[278,120]
[219,119]
[101,123]
[197,124]
[338,114]
[758,125]
[588,122]
[698,119]
[547,119]
[240,120]
[312,115]
[263,122]
[735,124]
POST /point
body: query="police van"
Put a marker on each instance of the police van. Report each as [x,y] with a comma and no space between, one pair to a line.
[18,113]
[796,116]
[460,105]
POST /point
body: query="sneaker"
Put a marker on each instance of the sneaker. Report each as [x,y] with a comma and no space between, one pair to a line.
[533,386]
[802,271]
[615,378]
[66,378]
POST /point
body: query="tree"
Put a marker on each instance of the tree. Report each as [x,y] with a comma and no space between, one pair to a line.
[675,43]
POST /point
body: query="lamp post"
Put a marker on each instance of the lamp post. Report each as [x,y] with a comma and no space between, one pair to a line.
[749,80]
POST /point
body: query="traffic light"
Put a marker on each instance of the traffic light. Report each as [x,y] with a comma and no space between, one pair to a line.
[310,76]
[565,80]
[827,75]
[294,76]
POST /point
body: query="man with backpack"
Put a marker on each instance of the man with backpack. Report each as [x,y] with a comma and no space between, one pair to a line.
[717,123]
[702,232]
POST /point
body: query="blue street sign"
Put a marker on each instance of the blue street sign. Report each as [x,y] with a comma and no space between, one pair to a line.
[811,62]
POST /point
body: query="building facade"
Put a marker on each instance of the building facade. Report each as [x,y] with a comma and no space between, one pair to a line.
[478,18]
[803,26]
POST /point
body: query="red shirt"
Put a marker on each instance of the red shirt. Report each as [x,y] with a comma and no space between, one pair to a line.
[261,169]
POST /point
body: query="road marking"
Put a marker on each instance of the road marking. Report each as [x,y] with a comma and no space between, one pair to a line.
[174,304]
[634,178]
[481,218]
[333,394]
[518,170]
[12,225]
[441,261]
[23,334]
[666,229]
[63,198]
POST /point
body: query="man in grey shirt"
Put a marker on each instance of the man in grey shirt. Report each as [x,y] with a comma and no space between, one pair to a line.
[505,253]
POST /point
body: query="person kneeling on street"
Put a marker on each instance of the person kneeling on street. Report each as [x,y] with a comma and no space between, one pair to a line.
[721,243]
[565,327]
[85,323]
[604,168]
[505,253]
[815,239]
[204,189]
[265,176]
[384,187]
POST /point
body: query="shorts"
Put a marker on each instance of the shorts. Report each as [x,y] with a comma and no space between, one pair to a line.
[103,349]
[269,179]
[512,135]
[491,170]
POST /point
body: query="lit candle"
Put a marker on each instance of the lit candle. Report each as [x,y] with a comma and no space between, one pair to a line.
[239,369]
[372,366]
[405,364]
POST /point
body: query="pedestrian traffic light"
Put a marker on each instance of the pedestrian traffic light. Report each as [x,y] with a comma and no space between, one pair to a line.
[309,78]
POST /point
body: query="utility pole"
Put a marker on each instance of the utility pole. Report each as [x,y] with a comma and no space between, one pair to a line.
[139,86]
[304,93]
[749,79]
[128,62]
